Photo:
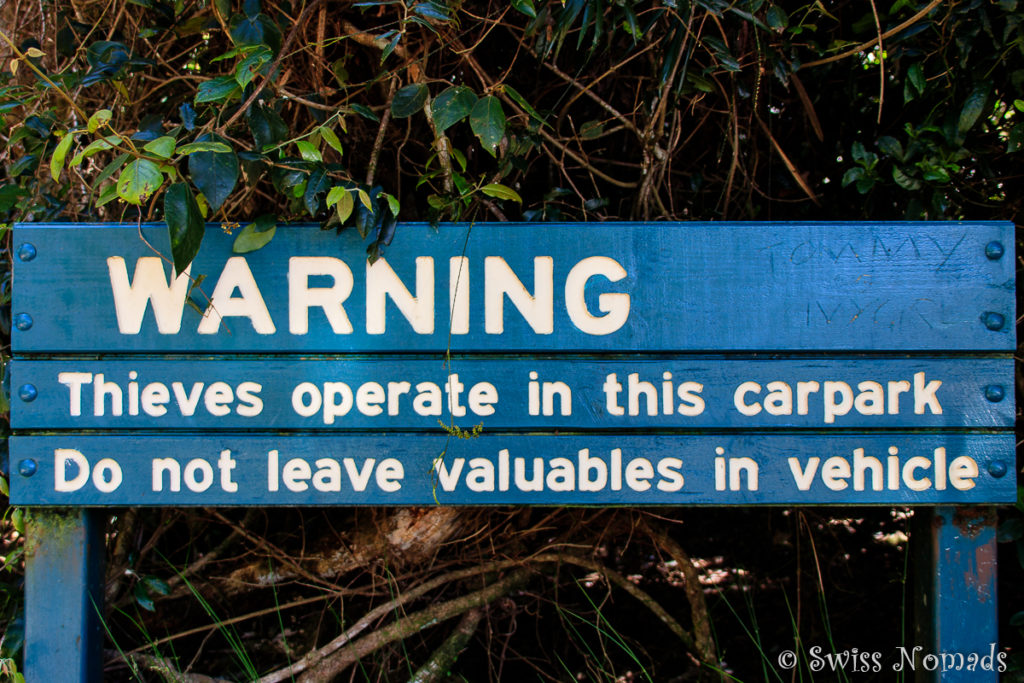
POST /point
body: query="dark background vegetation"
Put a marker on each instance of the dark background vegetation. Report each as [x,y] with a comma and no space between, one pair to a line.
[356,115]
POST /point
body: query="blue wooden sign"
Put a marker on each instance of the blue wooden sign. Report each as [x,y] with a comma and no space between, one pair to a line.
[617,288]
[499,469]
[416,393]
[547,364]
[804,363]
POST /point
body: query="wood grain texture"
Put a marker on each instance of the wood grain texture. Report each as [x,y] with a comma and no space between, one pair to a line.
[692,287]
[691,456]
[961,395]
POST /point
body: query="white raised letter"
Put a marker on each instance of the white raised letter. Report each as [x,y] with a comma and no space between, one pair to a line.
[62,457]
[236,275]
[149,284]
[615,305]
[301,297]
[499,280]
[381,281]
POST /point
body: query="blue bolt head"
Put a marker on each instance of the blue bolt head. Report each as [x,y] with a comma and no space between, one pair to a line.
[995,393]
[993,321]
[27,393]
[997,468]
[27,467]
[23,321]
[27,252]
[994,250]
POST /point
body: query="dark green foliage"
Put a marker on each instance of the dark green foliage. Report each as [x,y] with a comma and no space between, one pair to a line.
[184,223]
[215,173]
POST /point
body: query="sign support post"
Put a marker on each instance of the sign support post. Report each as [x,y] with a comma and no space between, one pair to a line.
[685,364]
[955,602]
[64,577]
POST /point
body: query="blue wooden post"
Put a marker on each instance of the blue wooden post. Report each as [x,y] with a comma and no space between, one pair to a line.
[956,595]
[64,595]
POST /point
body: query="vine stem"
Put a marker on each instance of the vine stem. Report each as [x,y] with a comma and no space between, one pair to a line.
[273,67]
[874,41]
[38,72]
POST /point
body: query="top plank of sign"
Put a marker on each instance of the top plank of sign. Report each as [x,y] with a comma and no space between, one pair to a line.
[538,287]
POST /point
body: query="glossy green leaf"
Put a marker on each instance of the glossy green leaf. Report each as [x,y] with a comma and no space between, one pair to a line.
[777,18]
[255,30]
[521,101]
[452,105]
[110,169]
[317,186]
[364,111]
[916,76]
[156,585]
[334,195]
[364,199]
[60,155]
[99,119]
[107,195]
[393,203]
[95,147]
[905,181]
[266,125]
[499,191]
[256,235]
[972,109]
[143,599]
[330,138]
[590,130]
[162,147]
[488,122]
[432,10]
[308,151]
[852,175]
[525,7]
[185,224]
[396,36]
[139,180]
[409,100]
[26,165]
[346,204]
[214,173]
[193,147]
[217,89]
[250,66]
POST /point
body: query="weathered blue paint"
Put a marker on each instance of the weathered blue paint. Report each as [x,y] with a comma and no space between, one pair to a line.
[692,286]
[955,570]
[64,595]
[971,393]
[717,304]
[782,459]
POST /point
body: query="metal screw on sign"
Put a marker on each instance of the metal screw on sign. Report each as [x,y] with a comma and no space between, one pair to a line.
[993,321]
[27,467]
[994,250]
[27,393]
[23,321]
[994,393]
[997,469]
[27,252]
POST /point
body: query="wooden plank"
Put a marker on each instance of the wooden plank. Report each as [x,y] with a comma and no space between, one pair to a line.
[611,394]
[403,469]
[691,287]
[64,595]
[957,635]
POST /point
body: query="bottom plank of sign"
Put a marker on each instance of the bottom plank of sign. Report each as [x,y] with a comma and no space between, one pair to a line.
[894,468]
